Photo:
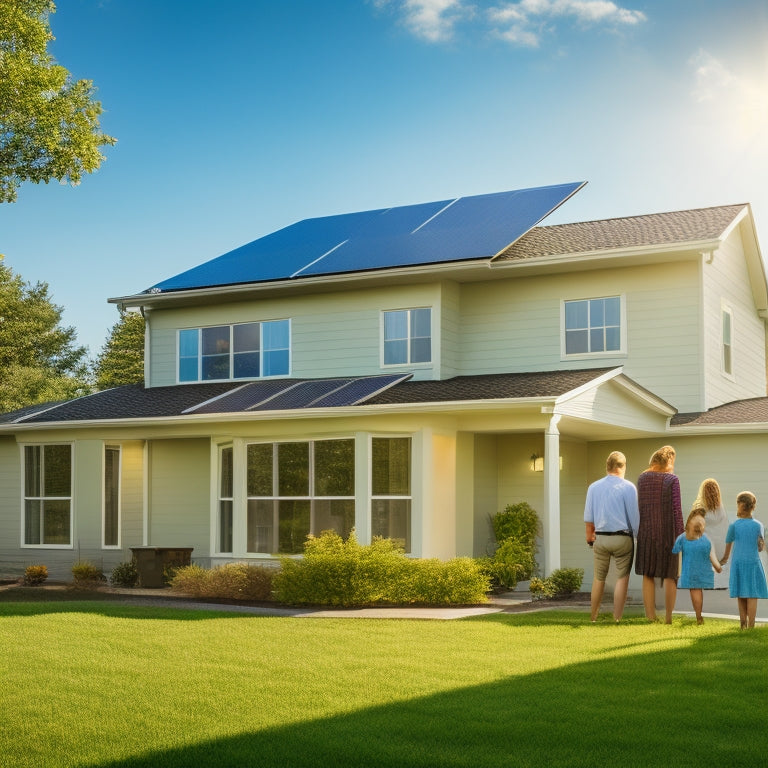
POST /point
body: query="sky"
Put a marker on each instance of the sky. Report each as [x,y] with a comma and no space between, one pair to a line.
[237,118]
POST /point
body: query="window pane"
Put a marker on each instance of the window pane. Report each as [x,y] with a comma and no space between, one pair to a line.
[188,340]
[276,363]
[395,352]
[32,515]
[260,522]
[225,526]
[56,522]
[188,369]
[245,337]
[575,314]
[596,313]
[596,340]
[395,325]
[216,340]
[246,365]
[391,466]
[613,339]
[276,334]
[391,519]
[32,470]
[260,459]
[215,367]
[334,515]
[421,350]
[293,469]
[57,470]
[612,311]
[576,342]
[293,526]
[421,322]
[335,468]
[111,496]
[226,479]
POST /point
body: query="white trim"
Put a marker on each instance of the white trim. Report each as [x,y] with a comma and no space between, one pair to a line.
[727,311]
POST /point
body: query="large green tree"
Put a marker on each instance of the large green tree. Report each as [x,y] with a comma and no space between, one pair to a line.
[39,359]
[121,360]
[49,124]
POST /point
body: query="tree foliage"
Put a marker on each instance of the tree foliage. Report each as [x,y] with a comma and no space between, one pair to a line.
[49,124]
[39,359]
[121,360]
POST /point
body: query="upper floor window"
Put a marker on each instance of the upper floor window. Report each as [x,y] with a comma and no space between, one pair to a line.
[727,341]
[47,495]
[243,351]
[593,325]
[408,336]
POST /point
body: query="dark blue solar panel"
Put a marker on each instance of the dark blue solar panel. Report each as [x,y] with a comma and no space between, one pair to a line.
[243,397]
[300,396]
[475,227]
[359,390]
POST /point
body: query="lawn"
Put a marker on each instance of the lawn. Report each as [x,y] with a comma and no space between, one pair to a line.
[103,684]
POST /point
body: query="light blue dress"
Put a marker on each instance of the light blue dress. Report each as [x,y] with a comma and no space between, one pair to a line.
[697,572]
[747,574]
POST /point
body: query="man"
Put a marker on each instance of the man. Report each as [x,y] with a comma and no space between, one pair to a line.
[612,518]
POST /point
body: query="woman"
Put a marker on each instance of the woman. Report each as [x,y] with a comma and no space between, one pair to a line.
[661,522]
[710,500]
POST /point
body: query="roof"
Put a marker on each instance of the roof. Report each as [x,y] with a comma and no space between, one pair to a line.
[461,229]
[656,229]
[750,411]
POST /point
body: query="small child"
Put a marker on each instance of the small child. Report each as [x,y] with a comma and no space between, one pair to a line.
[747,581]
[698,561]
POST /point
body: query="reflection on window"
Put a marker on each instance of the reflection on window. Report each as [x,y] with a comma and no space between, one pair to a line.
[47,495]
[243,351]
[391,489]
[226,490]
[593,325]
[727,341]
[407,336]
[111,496]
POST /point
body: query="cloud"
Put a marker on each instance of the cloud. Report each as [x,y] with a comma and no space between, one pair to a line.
[431,20]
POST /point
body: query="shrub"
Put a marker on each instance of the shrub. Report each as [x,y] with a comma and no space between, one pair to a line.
[86,574]
[35,574]
[124,574]
[517,521]
[232,581]
[345,573]
[560,583]
[513,562]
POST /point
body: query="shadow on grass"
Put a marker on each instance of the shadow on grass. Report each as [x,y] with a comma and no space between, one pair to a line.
[703,704]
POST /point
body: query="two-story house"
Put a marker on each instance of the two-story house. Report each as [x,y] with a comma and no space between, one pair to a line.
[406,372]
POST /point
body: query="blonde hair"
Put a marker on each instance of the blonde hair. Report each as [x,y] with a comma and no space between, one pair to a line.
[662,457]
[745,502]
[709,497]
[615,460]
[695,526]
[695,512]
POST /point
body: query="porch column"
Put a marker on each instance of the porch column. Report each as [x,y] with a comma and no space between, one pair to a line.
[551,521]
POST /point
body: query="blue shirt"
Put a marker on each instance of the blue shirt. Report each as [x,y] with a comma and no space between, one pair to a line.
[612,505]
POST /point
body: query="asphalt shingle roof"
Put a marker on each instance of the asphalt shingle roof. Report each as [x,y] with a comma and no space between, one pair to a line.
[633,231]
[751,411]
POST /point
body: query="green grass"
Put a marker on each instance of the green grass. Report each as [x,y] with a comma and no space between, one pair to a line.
[102,684]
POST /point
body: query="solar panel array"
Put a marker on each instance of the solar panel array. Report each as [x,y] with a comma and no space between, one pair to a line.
[465,228]
[284,394]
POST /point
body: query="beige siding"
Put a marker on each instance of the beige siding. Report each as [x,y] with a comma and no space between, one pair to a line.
[726,283]
[13,560]
[131,495]
[450,330]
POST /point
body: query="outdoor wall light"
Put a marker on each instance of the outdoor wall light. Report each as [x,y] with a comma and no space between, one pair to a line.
[537,462]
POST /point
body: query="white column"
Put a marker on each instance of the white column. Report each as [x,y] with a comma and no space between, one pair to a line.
[551,522]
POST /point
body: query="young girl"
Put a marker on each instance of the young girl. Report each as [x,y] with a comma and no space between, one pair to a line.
[698,561]
[747,581]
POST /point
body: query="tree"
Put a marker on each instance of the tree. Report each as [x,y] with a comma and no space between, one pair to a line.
[49,125]
[121,360]
[39,359]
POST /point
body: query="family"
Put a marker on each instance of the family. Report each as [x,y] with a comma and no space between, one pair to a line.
[616,512]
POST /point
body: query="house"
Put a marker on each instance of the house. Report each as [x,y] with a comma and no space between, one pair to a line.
[407,372]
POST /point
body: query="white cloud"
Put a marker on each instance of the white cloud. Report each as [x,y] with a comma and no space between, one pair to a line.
[431,20]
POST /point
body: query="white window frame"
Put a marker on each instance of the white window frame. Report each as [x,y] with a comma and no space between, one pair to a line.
[391,497]
[119,523]
[408,338]
[231,353]
[620,352]
[726,348]
[25,498]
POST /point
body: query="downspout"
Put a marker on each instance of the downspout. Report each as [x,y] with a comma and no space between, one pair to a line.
[551,521]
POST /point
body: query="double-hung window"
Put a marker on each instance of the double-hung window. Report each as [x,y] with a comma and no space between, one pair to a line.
[727,336]
[407,336]
[593,326]
[391,489]
[111,496]
[47,495]
[242,351]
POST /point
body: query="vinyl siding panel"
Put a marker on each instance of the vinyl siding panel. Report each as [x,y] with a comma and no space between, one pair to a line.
[13,560]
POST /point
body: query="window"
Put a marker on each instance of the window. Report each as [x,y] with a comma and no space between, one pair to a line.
[226,499]
[47,495]
[111,496]
[295,489]
[244,351]
[727,356]
[391,489]
[407,336]
[593,326]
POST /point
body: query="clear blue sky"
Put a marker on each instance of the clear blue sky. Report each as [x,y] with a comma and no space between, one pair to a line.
[237,118]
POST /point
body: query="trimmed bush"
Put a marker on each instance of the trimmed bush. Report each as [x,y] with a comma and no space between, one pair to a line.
[124,574]
[560,583]
[86,574]
[35,574]
[517,521]
[515,529]
[232,581]
[345,573]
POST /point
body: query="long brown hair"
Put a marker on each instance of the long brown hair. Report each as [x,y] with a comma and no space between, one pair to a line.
[662,458]
[709,496]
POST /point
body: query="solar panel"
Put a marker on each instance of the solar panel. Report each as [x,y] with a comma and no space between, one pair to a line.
[243,397]
[476,227]
[299,396]
[359,390]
